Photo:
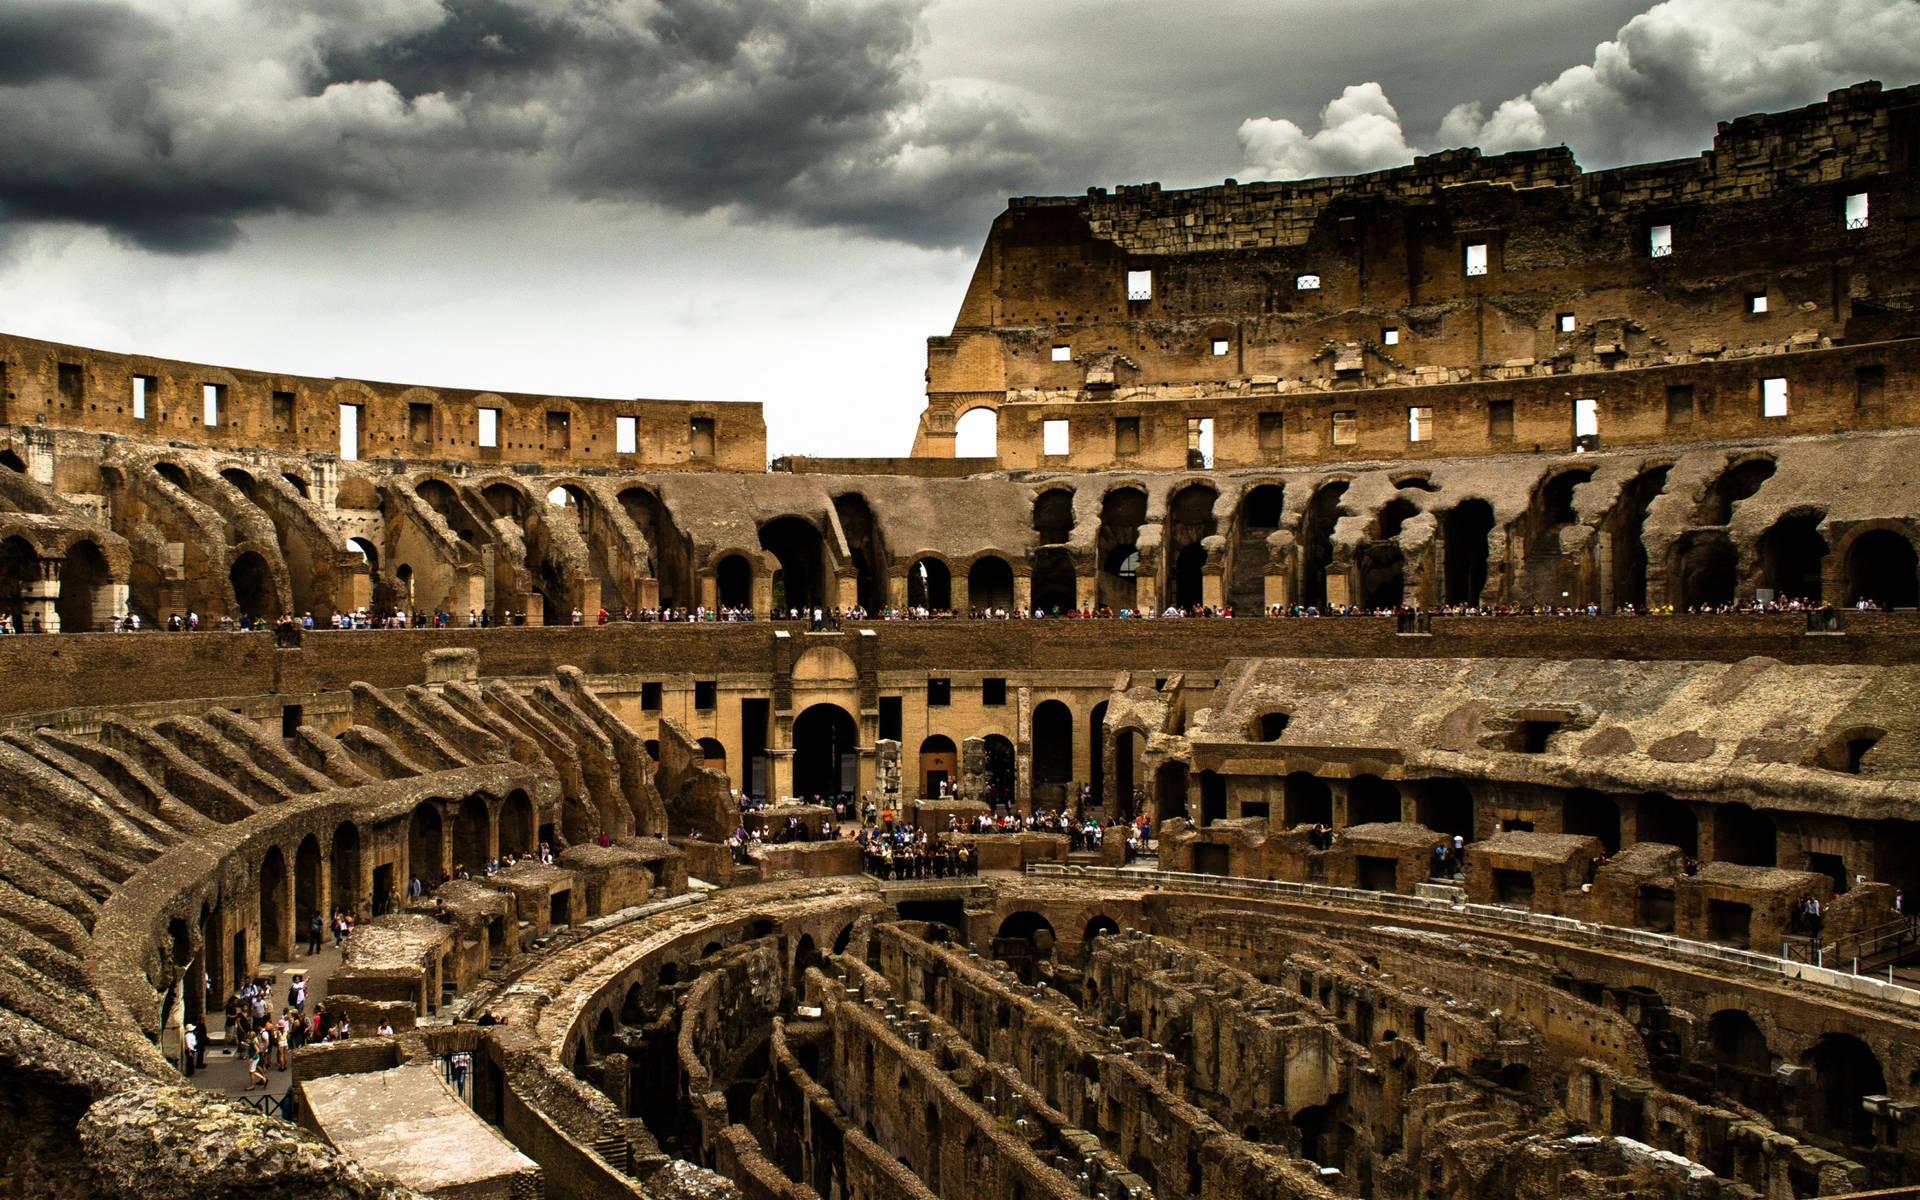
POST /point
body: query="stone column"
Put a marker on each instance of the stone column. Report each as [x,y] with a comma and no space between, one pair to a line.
[1087,588]
[780,770]
[973,769]
[958,593]
[1023,750]
[847,590]
[1023,593]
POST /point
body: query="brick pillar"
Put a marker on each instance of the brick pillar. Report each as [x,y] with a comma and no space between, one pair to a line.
[38,596]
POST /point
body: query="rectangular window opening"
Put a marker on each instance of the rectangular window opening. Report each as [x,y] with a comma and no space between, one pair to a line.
[650,697]
[1660,241]
[1346,427]
[1420,424]
[1062,354]
[291,717]
[1773,396]
[1564,322]
[1586,424]
[1855,211]
[73,382]
[559,431]
[349,432]
[700,437]
[626,434]
[1306,283]
[489,427]
[1272,428]
[1139,285]
[144,388]
[213,403]
[420,424]
[1199,442]
[1680,404]
[1869,387]
[1053,437]
[1126,436]
[1756,302]
[283,412]
[939,693]
[706,695]
[1220,346]
[1476,258]
[890,722]
[1500,420]
[1389,337]
[993,692]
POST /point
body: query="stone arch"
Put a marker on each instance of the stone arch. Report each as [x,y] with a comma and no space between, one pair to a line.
[801,581]
[1096,752]
[1464,532]
[1316,541]
[1446,806]
[990,583]
[866,549]
[826,742]
[1170,793]
[426,848]
[1257,517]
[1190,521]
[1844,1070]
[1053,515]
[347,890]
[1738,482]
[1054,582]
[1661,818]
[307,883]
[1372,800]
[1703,570]
[1881,568]
[470,836]
[1626,526]
[712,753]
[1269,726]
[252,581]
[733,582]
[275,938]
[999,760]
[1793,555]
[1734,1039]
[1585,812]
[976,434]
[86,582]
[939,763]
[1122,511]
[672,550]
[930,584]
[1744,836]
[517,825]
[1052,759]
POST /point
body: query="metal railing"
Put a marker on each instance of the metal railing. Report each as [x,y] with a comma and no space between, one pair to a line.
[273,1106]
[1591,932]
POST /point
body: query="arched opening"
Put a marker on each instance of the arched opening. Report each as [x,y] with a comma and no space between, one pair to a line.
[1587,813]
[19,575]
[252,583]
[1259,517]
[1306,800]
[826,759]
[939,765]
[1097,744]
[672,550]
[1122,511]
[1446,806]
[843,939]
[1372,800]
[1704,565]
[1383,575]
[83,581]
[929,585]
[1054,584]
[470,836]
[1099,927]
[999,770]
[1791,554]
[990,584]
[1270,726]
[1127,798]
[977,434]
[426,853]
[1626,525]
[143,592]
[1735,1040]
[347,893]
[1736,483]
[733,580]
[805,956]
[297,484]
[1315,1144]
[1053,515]
[1549,575]
[1023,939]
[1170,794]
[865,547]
[1744,836]
[712,753]
[1052,753]
[1844,1070]
[11,461]
[1881,570]
[796,543]
[174,474]
[1190,521]
[1464,534]
[1661,818]
[1316,541]
[274,940]
[306,885]
[517,824]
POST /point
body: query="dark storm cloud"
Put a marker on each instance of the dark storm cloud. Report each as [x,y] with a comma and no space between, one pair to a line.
[168,129]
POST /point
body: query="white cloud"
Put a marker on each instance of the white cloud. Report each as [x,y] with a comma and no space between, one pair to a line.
[1360,131]
[1655,90]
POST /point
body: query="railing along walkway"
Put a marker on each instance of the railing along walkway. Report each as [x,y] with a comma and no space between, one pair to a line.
[1589,931]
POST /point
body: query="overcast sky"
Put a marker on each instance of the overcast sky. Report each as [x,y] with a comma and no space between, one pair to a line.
[771,200]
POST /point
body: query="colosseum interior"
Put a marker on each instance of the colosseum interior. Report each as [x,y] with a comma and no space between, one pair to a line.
[1525,809]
